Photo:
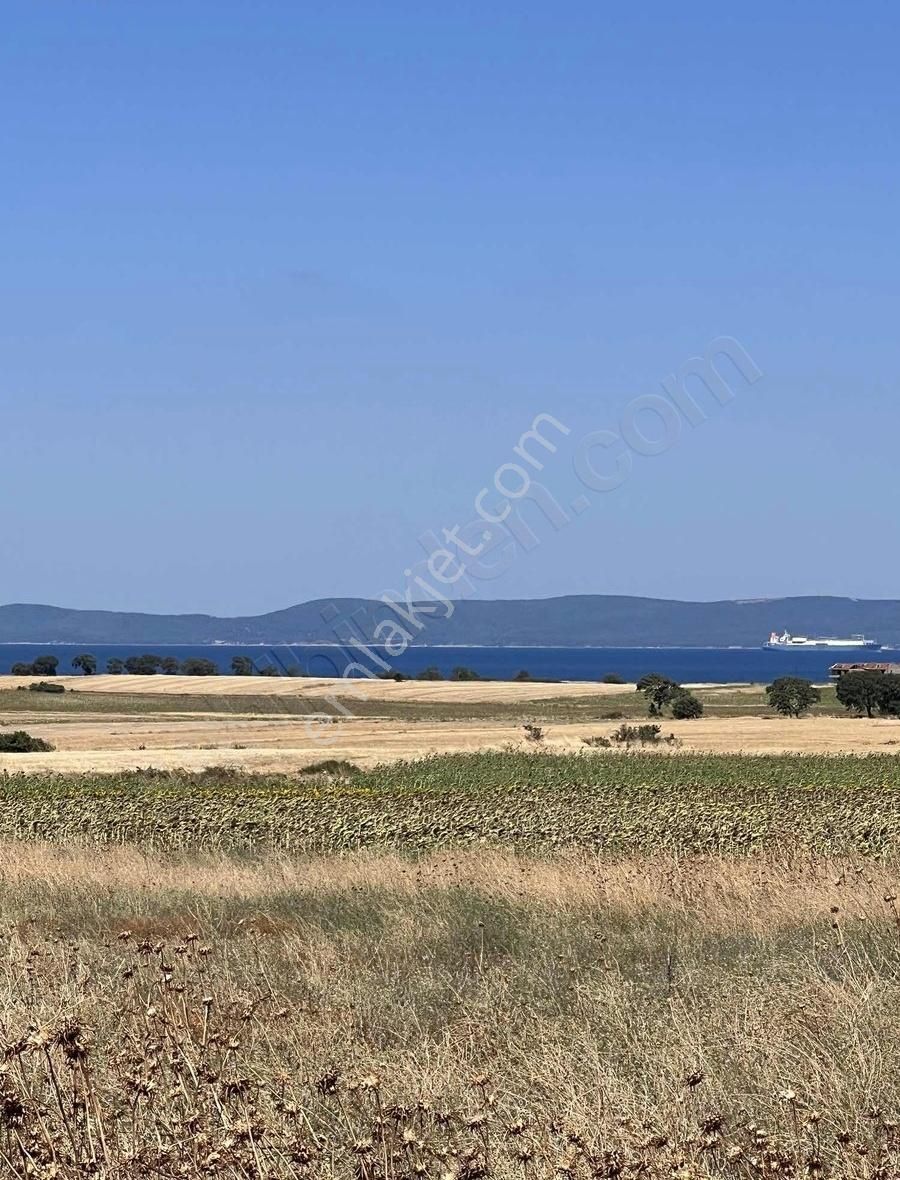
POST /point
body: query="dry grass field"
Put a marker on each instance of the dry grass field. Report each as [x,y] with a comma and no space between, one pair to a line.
[551,963]
[463,1015]
[168,724]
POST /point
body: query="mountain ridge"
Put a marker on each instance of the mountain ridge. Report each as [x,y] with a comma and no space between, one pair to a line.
[585,620]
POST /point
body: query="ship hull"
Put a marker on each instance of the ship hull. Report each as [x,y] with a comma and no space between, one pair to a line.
[822,645]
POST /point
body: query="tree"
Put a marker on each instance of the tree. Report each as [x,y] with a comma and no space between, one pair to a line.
[86,663]
[242,666]
[792,695]
[432,672]
[21,670]
[45,666]
[658,690]
[169,666]
[145,665]
[523,676]
[462,673]
[612,678]
[685,706]
[863,692]
[199,667]
[114,667]
[269,670]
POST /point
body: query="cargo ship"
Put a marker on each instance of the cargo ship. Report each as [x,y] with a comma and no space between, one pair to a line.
[788,642]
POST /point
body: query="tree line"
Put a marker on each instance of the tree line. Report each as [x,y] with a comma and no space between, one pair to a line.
[145,665]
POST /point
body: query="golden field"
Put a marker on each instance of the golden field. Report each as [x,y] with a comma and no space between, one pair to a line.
[227,721]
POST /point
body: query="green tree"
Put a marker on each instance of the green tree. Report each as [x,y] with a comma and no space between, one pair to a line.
[21,670]
[242,666]
[169,666]
[85,663]
[658,690]
[612,678]
[864,692]
[685,706]
[432,672]
[45,666]
[199,667]
[460,672]
[114,667]
[792,695]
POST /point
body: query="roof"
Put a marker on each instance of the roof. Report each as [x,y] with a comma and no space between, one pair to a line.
[889,669]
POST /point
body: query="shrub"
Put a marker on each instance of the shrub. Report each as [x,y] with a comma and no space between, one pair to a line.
[20,742]
[598,740]
[613,715]
[685,706]
[533,733]
[613,678]
[46,686]
[645,734]
[339,767]
[523,675]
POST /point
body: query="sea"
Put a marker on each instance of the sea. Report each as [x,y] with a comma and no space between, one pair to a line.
[688,665]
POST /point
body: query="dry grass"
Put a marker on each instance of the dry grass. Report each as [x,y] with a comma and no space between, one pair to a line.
[110,743]
[464,1015]
[319,686]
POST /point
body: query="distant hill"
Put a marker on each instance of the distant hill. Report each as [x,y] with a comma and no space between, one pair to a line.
[573,621]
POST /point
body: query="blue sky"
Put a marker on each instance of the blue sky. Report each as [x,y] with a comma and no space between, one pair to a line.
[283,284]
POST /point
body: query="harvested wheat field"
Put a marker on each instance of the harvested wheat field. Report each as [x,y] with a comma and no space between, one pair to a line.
[180,722]
[317,686]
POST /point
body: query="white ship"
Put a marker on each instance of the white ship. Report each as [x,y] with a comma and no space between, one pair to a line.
[789,642]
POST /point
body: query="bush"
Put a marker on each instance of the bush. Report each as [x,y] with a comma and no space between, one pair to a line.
[685,706]
[533,733]
[602,742]
[645,734]
[20,742]
[339,767]
[46,686]
[613,678]
[523,675]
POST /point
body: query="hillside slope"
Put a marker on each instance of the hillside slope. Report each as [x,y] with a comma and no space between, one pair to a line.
[578,620]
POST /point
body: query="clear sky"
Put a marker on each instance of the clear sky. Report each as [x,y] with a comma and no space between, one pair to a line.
[282,284]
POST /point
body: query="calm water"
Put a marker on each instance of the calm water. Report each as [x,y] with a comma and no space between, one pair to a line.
[686,664]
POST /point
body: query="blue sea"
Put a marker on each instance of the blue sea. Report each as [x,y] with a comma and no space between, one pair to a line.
[685,664]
